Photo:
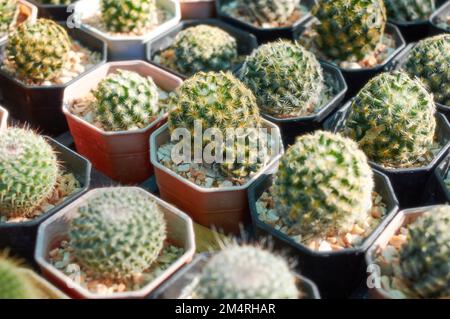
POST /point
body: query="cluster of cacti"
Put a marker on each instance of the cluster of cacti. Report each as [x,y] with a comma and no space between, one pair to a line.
[28,171]
[349,29]
[14,284]
[393,120]
[410,10]
[38,50]
[265,11]
[128,15]
[246,272]
[425,257]
[430,61]
[286,79]
[125,100]
[204,48]
[117,232]
[8,15]
[324,182]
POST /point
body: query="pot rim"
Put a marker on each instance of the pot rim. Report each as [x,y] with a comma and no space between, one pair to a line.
[32,17]
[157,165]
[105,36]
[41,250]
[46,285]
[443,9]
[4,118]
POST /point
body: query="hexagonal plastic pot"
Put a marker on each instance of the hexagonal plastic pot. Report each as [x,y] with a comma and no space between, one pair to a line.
[265,35]
[127,47]
[27,12]
[3,118]
[398,62]
[437,191]
[55,12]
[224,208]
[246,42]
[123,156]
[40,106]
[180,232]
[434,19]
[197,9]
[409,183]
[403,218]
[174,288]
[21,237]
[336,273]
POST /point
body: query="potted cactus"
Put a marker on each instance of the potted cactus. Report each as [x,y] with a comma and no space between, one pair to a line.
[41,59]
[410,259]
[58,10]
[114,243]
[197,9]
[324,205]
[393,120]
[18,282]
[354,36]
[238,272]
[126,25]
[201,45]
[209,181]
[440,20]
[3,118]
[111,113]
[292,88]
[269,20]
[38,177]
[13,13]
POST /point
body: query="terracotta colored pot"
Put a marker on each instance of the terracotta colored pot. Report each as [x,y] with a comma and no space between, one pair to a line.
[122,156]
[403,218]
[224,208]
[197,9]
[127,47]
[27,12]
[3,118]
[180,232]
[45,289]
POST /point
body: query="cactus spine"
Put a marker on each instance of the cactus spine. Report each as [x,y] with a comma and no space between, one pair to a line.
[14,284]
[8,15]
[265,11]
[410,10]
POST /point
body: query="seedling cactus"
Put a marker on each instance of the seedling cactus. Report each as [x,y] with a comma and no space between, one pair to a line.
[410,10]
[14,284]
[265,11]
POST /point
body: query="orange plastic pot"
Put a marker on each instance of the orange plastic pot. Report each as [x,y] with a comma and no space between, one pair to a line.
[197,9]
[225,208]
[3,118]
[122,156]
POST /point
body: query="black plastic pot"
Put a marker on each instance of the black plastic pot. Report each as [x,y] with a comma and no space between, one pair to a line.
[246,42]
[174,286]
[265,35]
[437,190]
[398,62]
[339,273]
[41,106]
[53,11]
[409,183]
[21,237]
[441,12]
[292,127]
[414,30]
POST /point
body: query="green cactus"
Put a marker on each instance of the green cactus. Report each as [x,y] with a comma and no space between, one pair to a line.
[349,29]
[409,10]
[38,50]
[265,11]
[393,120]
[128,15]
[425,257]
[125,100]
[430,61]
[8,15]
[286,78]
[204,48]
[323,183]
[14,284]
[28,171]
[246,272]
[118,232]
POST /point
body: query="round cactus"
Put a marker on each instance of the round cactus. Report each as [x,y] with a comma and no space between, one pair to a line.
[286,78]
[38,50]
[430,61]
[410,10]
[425,257]
[392,119]
[8,14]
[246,272]
[323,183]
[204,48]
[125,100]
[117,232]
[349,29]
[128,15]
[266,11]
[14,284]
[28,171]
